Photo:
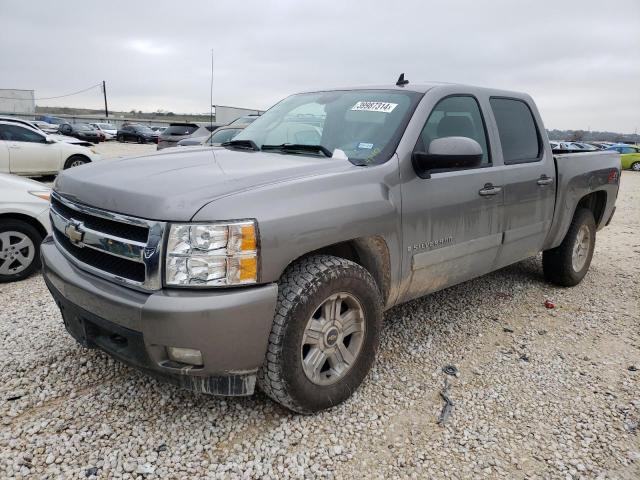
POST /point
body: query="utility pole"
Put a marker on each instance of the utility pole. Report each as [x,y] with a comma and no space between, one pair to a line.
[211,94]
[104,90]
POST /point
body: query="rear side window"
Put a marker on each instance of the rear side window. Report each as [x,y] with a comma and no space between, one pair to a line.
[517,129]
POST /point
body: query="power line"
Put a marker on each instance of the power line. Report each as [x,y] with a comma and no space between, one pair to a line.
[60,96]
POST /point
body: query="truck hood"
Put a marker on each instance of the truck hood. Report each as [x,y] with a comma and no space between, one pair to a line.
[173,186]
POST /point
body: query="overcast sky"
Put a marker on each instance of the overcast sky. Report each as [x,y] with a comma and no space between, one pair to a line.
[580,60]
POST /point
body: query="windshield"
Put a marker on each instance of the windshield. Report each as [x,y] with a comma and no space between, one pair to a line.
[244,120]
[143,129]
[364,124]
[225,135]
[84,127]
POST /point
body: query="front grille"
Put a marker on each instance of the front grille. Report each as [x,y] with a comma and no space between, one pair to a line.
[103,261]
[123,249]
[117,229]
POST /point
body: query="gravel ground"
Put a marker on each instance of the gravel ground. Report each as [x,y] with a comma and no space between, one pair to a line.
[541,393]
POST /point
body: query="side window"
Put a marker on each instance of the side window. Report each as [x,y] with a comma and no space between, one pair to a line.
[457,116]
[15,133]
[517,129]
[627,150]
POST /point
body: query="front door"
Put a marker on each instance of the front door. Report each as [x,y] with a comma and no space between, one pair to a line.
[452,221]
[29,152]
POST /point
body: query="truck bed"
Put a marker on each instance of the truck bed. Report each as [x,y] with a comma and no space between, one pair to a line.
[580,174]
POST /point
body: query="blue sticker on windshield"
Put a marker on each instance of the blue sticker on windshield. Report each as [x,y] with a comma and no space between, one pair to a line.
[368,146]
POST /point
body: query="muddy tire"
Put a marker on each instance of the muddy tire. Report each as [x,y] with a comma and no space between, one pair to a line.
[324,335]
[567,264]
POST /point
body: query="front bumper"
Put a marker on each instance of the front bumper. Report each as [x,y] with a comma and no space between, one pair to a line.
[230,327]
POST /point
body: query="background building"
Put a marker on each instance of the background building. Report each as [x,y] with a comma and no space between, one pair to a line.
[17,101]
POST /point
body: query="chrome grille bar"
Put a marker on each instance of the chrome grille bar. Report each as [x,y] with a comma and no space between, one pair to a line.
[148,253]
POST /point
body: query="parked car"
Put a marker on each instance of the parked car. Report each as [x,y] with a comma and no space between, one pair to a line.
[273,260]
[55,136]
[585,146]
[53,120]
[629,156]
[137,133]
[221,135]
[24,222]
[27,151]
[46,127]
[180,130]
[244,120]
[82,131]
[109,131]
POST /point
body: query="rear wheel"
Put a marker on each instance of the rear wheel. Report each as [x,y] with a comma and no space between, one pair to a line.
[19,250]
[75,161]
[635,166]
[567,264]
[324,335]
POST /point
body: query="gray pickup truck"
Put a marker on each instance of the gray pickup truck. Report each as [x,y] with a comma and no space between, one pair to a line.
[271,259]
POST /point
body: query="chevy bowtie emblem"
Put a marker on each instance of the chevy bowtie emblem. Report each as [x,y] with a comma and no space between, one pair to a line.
[73,232]
[149,251]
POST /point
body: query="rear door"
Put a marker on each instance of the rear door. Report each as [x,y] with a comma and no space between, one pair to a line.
[452,221]
[529,178]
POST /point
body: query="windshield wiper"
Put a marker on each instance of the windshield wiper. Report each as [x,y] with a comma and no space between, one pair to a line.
[247,144]
[299,147]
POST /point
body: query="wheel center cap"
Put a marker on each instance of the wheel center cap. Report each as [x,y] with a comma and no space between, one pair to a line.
[331,337]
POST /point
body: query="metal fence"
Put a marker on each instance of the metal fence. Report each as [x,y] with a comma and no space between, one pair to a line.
[117,121]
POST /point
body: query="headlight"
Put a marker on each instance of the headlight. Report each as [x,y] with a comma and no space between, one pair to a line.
[212,254]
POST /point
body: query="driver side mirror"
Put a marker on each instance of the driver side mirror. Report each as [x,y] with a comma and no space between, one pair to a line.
[49,139]
[447,153]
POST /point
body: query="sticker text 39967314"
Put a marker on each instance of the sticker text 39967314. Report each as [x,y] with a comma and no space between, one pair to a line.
[384,107]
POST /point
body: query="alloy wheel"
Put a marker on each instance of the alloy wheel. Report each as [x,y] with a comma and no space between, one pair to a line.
[332,339]
[581,248]
[17,252]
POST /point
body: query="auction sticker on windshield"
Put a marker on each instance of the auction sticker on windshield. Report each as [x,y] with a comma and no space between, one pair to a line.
[384,107]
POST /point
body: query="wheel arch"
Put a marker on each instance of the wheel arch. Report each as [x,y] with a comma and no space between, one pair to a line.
[371,253]
[26,219]
[596,202]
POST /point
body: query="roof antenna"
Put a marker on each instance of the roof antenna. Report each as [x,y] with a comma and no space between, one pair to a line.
[401,81]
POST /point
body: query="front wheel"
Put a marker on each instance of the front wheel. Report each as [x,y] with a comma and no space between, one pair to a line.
[635,166]
[19,250]
[141,139]
[567,264]
[324,335]
[75,161]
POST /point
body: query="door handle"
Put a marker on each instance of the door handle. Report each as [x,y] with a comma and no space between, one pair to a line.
[489,189]
[544,180]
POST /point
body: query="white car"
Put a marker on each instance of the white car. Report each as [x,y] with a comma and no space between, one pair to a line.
[110,131]
[30,152]
[24,222]
[55,135]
